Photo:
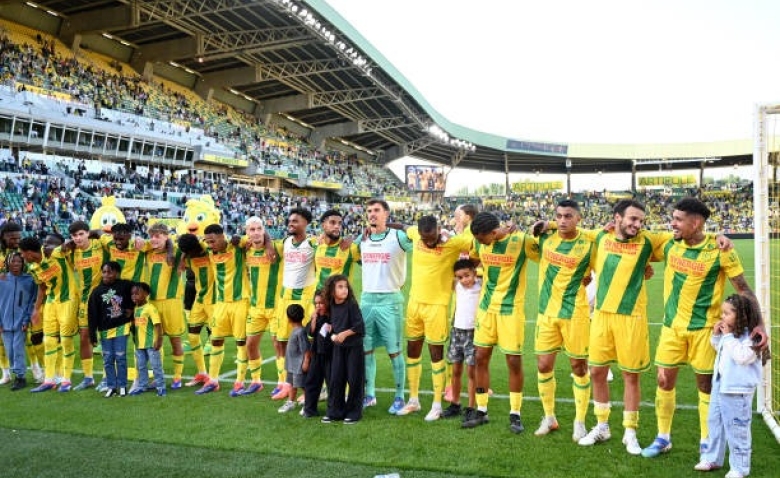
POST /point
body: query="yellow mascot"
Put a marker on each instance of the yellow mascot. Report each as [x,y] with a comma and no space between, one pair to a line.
[199,213]
[106,215]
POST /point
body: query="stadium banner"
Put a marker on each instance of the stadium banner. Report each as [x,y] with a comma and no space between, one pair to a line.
[532,186]
[494,202]
[233,162]
[280,174]
[404,199]
[425,178]
[44,92]
[681,180]
[324,185]
[537,147]
[617,196]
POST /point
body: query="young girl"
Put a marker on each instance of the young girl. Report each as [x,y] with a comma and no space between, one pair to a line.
[737,373]
[296,357]
[321,352]
[348,363]
[17,297]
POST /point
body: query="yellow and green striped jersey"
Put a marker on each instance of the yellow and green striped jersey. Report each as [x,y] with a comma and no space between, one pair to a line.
[166,281]
[55,273]
[695,281]
[146,316]
[120,331]
[432,274]
[87,263]
[563,263]
[504,282]
[265,277]
[331,260]
[231,281]
[131,259]
[620,269]
[201,267]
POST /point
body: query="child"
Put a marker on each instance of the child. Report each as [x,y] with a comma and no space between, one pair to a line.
[17,297]
[148,340]
[736,374]
[296,357]
[461,349]
[321,352]
[348,361]
[110,312]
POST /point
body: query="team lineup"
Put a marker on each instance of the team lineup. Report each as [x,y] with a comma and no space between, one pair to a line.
[103,286]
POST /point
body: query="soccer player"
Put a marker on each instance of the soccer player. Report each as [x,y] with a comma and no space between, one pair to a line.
[298,283]
[383,257]
[618,332]
[265,269]
[563,321]
[86,256]
[166,281]
[199,263]
[332,256]
[231,307]
[429,300]
[501,316]
[57,286]
[694,284]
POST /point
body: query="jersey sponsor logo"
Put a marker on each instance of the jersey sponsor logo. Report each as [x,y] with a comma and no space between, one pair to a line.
[254,260]
[124,255]
[630,248]
[437,251]
[49,274]
[558,259]
[688,266]
[297,257]
[157,258]
[490,259]
[329,262]
[200,262]
[376,257]
[141,321]
[221,258]
[88,262]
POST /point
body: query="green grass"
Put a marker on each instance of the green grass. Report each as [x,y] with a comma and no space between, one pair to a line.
[186,435]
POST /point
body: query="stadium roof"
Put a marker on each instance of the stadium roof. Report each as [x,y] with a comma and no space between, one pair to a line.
[302,59]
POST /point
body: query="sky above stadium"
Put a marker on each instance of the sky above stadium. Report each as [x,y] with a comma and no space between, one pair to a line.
[594,72]
[574,71]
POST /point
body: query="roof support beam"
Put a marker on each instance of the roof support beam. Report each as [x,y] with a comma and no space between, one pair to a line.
[188,47]
[285,104]
[381,124]
[100,20]
[331,98]
[319,135]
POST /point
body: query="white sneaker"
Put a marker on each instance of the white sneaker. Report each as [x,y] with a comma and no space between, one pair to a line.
[289,405]
[547,425]
[411,407]
[324,395]
[610,375]
[632,445]
[6,377]
[734,474]
[597,434]
[579,431]
[434,414]
[705,465]
[37,372]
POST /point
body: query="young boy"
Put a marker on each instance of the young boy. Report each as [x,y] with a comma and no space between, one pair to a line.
[148,340]
[296,358]
[461,349]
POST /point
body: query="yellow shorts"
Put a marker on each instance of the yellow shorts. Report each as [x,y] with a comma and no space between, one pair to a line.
[427,321]
[506,331]
[59,319]
[619,338]
[81,313]
[230,320]
[171,315]
[570,335]
[282,328]
[259,320]
[677,347]
[201,314]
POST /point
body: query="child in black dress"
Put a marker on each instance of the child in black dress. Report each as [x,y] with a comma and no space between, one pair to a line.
[321,353]
[348,362]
